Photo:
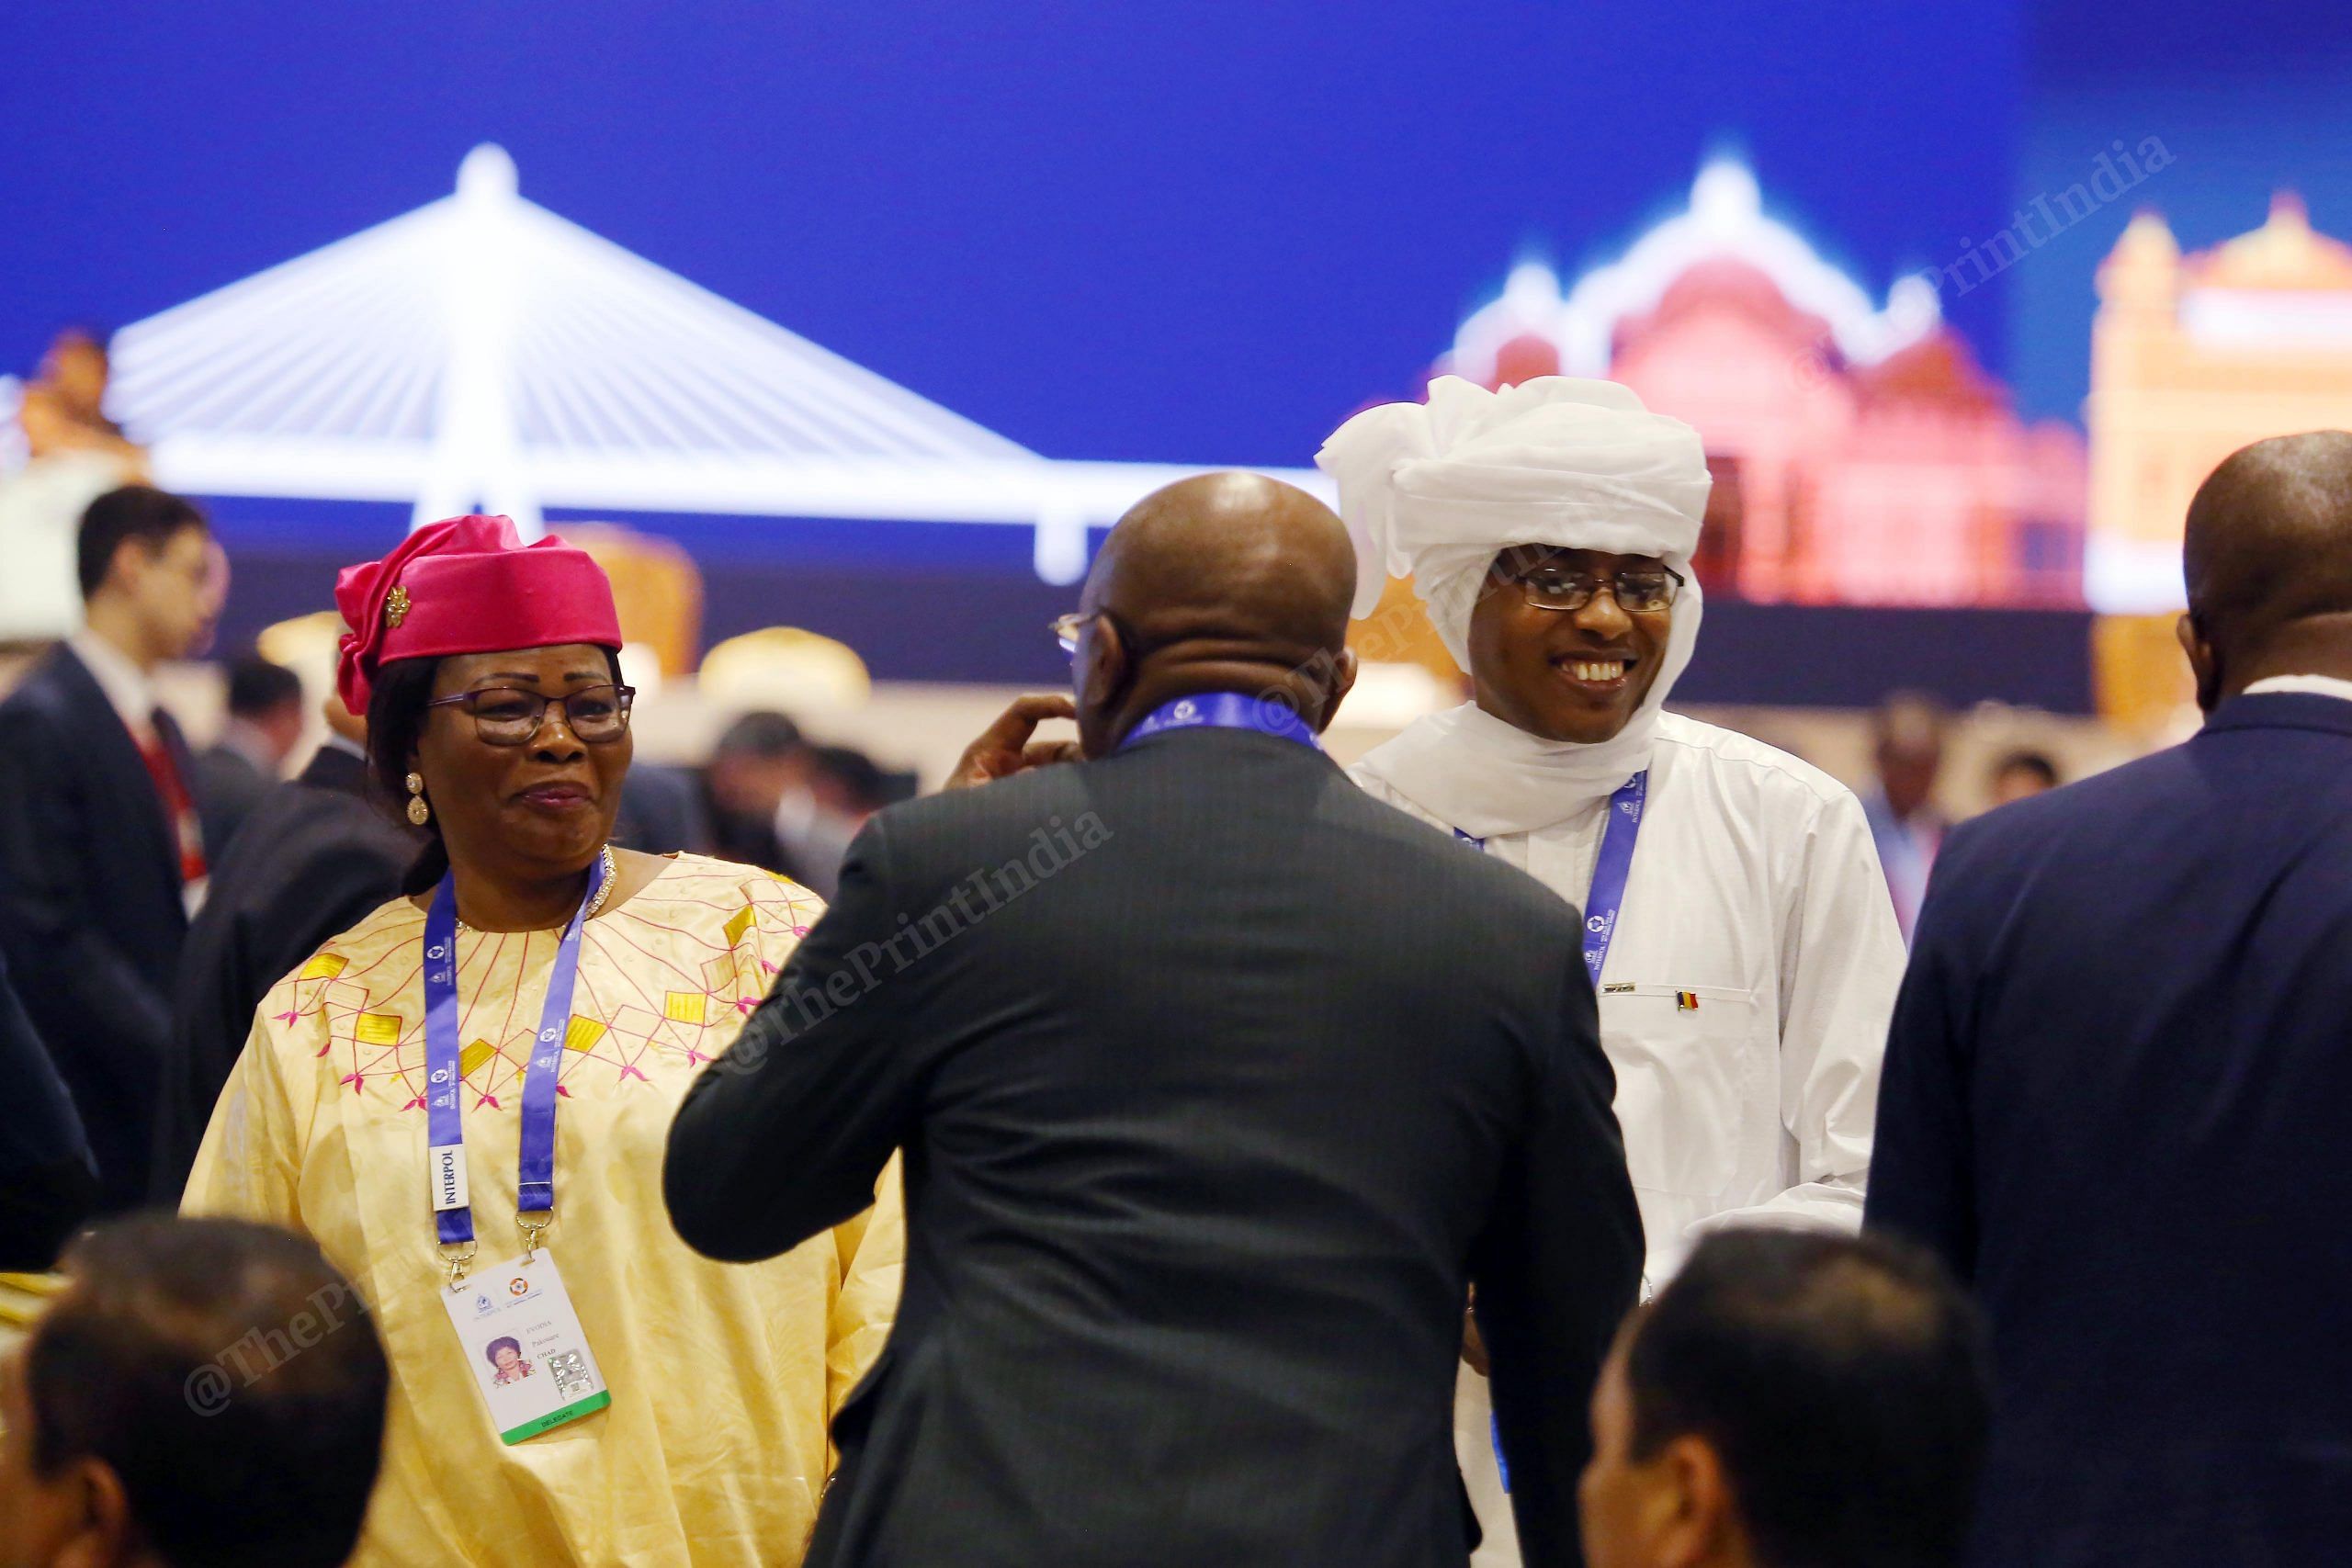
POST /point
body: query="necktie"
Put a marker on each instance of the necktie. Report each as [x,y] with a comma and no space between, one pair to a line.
[179,805]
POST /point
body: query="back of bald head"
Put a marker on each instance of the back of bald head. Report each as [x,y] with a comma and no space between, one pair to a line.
[1229,567]
[2269,540]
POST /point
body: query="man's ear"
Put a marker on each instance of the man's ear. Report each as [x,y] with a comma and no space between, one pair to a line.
[1344,671]
[100,1531]
[2204,663]
[1106,670]
[1698,1520]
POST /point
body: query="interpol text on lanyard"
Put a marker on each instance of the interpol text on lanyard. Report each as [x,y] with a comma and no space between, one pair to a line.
[535,1181]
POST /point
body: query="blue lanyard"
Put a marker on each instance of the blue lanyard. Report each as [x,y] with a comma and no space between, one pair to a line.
[1223,710]
[535,1182]
[1609,874]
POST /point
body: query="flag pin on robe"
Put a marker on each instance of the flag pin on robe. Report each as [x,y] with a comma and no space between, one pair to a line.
[1688,1002]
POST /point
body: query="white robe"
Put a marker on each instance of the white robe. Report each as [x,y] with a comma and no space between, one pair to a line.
[1756,889]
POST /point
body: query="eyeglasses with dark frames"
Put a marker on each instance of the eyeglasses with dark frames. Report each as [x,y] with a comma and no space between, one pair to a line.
[509,716]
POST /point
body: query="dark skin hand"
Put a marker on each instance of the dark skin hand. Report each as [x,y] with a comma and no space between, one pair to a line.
[1005,748]
[1545,672]
[524,823]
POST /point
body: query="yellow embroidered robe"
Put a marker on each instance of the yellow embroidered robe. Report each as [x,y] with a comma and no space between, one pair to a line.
[723,1377]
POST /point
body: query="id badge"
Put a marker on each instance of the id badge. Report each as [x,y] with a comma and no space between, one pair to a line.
[524,1342]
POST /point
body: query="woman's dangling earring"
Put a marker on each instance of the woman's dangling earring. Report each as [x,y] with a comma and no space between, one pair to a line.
[418,812]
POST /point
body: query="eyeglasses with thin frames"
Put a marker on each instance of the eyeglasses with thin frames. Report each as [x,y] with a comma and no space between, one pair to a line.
[1638,590]
[509,716]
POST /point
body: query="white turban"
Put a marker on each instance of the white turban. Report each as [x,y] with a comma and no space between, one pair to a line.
[1436,490]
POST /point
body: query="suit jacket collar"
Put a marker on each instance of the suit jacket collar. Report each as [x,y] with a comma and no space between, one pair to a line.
[128,689]
[97,729]
[2283,710]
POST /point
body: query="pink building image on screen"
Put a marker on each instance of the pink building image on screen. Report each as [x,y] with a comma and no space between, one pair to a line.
[1861,456]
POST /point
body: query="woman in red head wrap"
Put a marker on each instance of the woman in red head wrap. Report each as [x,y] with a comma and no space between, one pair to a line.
[511,1039]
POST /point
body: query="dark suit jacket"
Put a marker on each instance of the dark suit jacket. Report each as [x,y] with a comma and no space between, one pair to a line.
[47,1181]
[2116,1100]
[91,915]
[319,857]
[227,787]
[1217,1081]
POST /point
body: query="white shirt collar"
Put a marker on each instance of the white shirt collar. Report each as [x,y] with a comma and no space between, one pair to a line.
[128,689]
[2315,685]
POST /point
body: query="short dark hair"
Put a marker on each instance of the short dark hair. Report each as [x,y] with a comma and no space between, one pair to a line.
[228,1376]
[1841,1379]
[396,713]
[760,734]
[132,512]
[257,687]
[490,1351]
[2038,763]
[860,777]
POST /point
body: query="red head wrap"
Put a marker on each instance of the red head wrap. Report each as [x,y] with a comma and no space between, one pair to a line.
[469,585]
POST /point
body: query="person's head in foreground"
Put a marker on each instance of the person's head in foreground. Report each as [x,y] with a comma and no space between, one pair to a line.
[149,574]
[489,675]
[1548,529]
[1221,582]
[2268,563]
[205,1393]
[2022,774]
[1794,1399]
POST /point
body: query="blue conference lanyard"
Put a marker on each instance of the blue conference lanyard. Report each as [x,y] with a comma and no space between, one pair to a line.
[1600,911]
[1223,710]
[535,1183]
[1609,874]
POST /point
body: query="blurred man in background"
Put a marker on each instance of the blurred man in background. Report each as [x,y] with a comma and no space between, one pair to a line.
[2116,1085]
[322,853]
[101,852]
[760,759]
[1907,753]
[204,1393]
[1212,1129]
[265,725]
[816,821]
[47,1181]
[2021,775]
[779,802]
[1791,1401]
[76,454]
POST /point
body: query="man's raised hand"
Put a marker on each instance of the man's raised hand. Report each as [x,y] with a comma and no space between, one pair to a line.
[1004,747]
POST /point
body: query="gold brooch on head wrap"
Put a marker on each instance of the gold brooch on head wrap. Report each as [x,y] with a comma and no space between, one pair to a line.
[395,608]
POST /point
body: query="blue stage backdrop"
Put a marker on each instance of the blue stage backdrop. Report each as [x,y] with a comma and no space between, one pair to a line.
[1190,234]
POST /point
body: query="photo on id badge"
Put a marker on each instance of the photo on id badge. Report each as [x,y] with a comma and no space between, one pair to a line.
[526,1347]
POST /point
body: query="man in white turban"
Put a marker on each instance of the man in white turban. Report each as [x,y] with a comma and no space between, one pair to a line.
[1738,928]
